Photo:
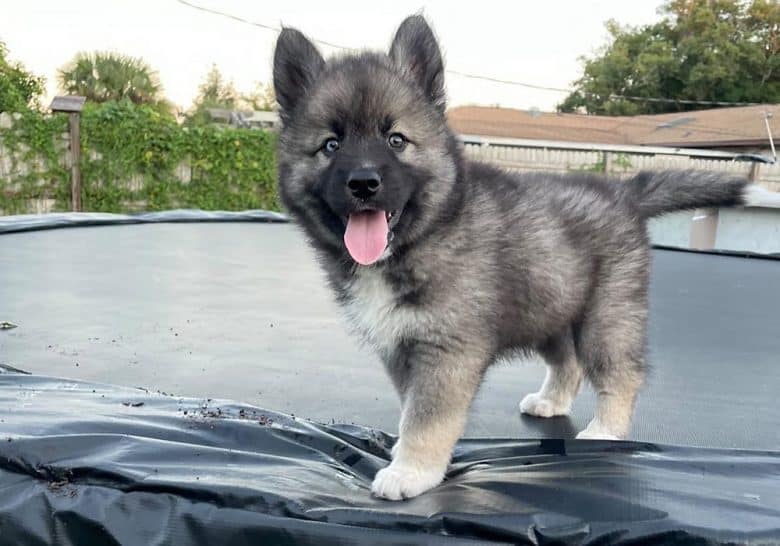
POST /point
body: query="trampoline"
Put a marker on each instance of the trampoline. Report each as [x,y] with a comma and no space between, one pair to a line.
[133,335]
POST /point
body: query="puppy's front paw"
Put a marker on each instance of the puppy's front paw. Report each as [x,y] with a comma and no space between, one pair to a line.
[537,405]
[398,481]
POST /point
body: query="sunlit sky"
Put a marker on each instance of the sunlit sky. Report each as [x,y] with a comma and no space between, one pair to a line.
[537,42]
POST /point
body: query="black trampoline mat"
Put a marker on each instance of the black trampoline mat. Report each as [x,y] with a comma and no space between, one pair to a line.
[240,311]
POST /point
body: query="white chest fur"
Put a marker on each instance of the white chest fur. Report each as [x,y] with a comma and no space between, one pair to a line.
[374,310]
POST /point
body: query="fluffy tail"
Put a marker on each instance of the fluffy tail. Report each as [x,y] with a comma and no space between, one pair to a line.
[656,193]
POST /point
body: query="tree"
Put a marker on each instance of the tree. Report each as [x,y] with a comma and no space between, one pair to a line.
[106,76]
[260,98]
[19,89]
[215,92]
[701,50]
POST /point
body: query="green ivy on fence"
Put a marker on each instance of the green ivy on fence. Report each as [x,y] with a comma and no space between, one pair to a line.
[30,146]
[134,158]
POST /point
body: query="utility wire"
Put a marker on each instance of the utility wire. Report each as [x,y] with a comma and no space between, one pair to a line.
[485,78]
[253,23]
[611,96]
[509,82]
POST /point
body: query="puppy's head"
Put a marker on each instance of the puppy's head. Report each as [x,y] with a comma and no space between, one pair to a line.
[366,160]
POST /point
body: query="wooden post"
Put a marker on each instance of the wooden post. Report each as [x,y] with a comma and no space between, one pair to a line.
[75,167]
[72,106]
[753,173]
[704,229]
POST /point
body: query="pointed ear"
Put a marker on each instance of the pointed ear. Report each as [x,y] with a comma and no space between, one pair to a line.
[416,52]
[297,63]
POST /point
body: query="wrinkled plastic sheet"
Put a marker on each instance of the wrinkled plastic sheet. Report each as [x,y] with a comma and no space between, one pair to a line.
[84,463]
[34,222]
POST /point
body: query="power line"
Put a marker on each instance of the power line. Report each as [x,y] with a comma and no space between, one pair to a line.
[253,23]
[611,96]
[482,77]
[508,82]
[677,101]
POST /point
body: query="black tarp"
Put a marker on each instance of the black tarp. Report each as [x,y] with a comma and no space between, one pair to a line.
[84,463]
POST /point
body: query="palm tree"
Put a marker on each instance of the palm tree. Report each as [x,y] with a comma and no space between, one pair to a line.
[106,76]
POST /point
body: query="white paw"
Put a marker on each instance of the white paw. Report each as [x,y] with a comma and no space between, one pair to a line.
[597,431]
[396,482]
[588,435]
[539,406]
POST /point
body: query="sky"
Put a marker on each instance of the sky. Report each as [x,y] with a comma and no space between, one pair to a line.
[537,42]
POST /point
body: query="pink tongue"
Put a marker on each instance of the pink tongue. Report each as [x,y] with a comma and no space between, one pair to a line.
[366,236]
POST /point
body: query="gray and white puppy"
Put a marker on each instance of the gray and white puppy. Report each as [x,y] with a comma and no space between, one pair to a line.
[446,265]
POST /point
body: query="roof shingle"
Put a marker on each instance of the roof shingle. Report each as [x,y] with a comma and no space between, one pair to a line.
[742,126]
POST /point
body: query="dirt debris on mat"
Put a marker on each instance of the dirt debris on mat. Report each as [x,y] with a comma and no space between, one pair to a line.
[205,413]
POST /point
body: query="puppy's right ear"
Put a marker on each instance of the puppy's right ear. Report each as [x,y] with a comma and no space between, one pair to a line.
[297,63]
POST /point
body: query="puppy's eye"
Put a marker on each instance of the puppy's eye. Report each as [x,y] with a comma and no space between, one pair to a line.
[397,141]
[330,146]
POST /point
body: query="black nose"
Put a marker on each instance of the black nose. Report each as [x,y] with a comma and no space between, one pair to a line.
[363,183]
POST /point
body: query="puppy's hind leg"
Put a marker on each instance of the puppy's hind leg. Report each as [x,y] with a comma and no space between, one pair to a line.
[611,346]
[616,387]
[562,382]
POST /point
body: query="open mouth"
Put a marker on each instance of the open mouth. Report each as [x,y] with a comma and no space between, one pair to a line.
[368,234]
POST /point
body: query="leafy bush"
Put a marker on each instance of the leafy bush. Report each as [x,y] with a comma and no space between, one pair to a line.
[136,158]
[19,89]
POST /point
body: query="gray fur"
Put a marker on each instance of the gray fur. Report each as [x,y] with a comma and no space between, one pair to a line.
[483,263]
[659,193]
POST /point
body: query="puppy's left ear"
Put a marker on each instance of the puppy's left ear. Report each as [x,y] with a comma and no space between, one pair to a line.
[416,52]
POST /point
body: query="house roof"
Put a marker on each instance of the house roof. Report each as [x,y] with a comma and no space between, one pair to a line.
[743,126]
[717,127]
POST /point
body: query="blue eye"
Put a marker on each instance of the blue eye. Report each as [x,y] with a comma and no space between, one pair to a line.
[396,141]
[331,146]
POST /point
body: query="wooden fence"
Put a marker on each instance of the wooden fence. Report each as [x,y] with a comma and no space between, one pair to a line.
[618,163]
